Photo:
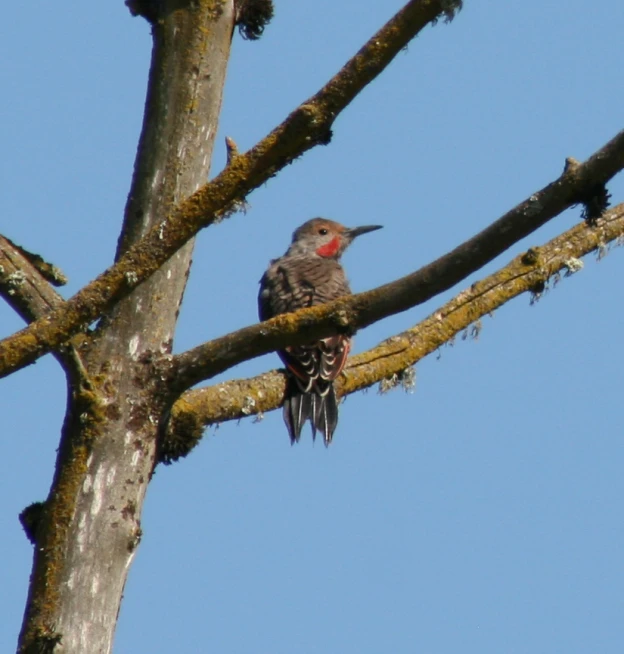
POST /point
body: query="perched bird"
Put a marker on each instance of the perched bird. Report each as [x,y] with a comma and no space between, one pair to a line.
[310,274]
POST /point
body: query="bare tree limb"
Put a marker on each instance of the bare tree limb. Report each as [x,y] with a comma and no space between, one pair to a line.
[23,284]
[89,527]
[306,127]
[25,280]
[357,311]
[388,361]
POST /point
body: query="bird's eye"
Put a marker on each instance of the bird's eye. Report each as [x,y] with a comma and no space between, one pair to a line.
[323,231]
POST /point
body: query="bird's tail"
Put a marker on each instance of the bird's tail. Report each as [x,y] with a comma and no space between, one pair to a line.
[320,409]
[325,414]
[297,409]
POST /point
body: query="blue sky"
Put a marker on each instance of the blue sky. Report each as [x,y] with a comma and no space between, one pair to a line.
[480,514]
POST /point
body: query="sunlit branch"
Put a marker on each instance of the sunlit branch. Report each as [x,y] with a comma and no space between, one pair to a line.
[26,285]
[23,284]
[387,362]
[306,127]
[357,311]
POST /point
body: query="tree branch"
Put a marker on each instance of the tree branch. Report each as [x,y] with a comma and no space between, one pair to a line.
[306,127]
[357,311]
[88,532]
[23,283]
[389,361]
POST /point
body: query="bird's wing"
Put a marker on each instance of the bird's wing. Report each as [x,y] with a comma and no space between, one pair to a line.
[284,288]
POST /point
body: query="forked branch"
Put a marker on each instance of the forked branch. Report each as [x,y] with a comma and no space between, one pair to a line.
[25,281]
[357,311]
[308,126]
[388,361]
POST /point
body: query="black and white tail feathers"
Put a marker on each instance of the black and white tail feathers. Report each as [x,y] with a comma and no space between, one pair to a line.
[309,274]
[319,406]
[310,394]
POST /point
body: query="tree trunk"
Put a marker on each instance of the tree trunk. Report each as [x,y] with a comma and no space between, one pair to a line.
[88,529]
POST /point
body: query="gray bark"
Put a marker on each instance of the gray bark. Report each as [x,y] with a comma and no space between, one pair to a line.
[89,528]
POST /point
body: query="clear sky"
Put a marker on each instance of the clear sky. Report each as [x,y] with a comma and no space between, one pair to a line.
[480,514]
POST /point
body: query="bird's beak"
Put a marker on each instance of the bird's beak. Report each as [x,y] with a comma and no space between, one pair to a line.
[358,231]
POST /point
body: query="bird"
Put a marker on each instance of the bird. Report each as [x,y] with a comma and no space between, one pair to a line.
[309,274]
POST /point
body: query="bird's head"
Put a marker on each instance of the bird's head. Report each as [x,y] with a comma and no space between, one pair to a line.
[326,238]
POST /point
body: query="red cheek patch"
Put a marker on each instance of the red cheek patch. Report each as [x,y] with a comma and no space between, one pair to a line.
[329,249]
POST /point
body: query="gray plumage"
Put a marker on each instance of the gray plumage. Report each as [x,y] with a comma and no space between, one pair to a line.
[307,275]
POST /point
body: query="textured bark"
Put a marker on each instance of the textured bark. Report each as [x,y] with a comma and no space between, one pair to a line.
[22,285]
[26,285]
[89,529]
[122,379]
[390,362]
[579,183]
[306,127]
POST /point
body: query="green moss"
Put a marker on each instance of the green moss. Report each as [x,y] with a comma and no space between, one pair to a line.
[52,539]
[531,257]
[88,412]
[182,435]
[212,9]
[30,519]
[46,640]
[253,17]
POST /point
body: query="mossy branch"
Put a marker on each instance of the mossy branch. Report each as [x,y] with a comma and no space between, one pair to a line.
[25,281]
[357,311]
[26,284]
[252,16]
[306,127]
[529,272]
